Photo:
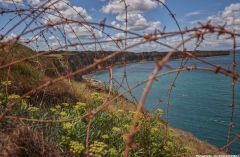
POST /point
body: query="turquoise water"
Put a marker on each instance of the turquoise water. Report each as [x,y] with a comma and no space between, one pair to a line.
[199,101]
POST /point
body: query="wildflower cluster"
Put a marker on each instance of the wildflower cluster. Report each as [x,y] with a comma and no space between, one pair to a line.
[63,114]
[119,113]
[6,83]
[65,104]
[13,96]
[97,149]
[154,130]
[112,151]
[97,99]
[79,107]
[159,112]
[115,129]
[33,109]
[54,110]
[105,136]
[76,147]
[58,107]
[68,127]
[126,126]
[168,146]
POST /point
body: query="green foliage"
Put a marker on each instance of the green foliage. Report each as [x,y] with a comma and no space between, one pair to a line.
[108,130]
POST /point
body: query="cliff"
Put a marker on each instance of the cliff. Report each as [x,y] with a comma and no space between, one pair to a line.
[67,62]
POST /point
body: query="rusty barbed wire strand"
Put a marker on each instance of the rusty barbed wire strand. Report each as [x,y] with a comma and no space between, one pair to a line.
[33,14]
[121,94]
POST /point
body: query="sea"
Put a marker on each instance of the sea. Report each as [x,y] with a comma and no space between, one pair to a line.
[199,101]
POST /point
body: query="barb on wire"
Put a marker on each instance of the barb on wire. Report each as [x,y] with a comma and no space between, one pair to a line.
[49,68]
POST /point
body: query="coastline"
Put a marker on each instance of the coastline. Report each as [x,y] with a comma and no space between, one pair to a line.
[88,77]
[175,59]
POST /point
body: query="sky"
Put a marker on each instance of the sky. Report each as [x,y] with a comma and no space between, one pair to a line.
[144,17]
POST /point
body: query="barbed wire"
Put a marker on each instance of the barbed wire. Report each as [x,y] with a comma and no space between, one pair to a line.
[33,20]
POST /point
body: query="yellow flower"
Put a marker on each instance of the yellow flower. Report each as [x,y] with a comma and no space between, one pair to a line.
[96,97]
[124,137]
[154,130]
[154,144]
[79,106]
[112,151]
[33,109]
[6,83]
[126,126]
[58,107]
[116,129]
[53,110]
[97,148]
[3,101]
[132,112]
[159,112]
[76,147]
[65,104]
[120,111]
[105,136]
[188,149]
[64,114]
[13,96]
[67,126]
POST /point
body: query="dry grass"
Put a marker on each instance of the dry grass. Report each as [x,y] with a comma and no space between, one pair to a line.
[197,146]
[24,141]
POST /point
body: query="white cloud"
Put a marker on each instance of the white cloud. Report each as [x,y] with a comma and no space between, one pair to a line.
[53,38]
[115,24]
[230,15]
[82,31]
[120,35]
[59,5]
[34,2]
[195,13]
[6,2]
[72,13]
[154,25]
[136,22]
[134,6]
[63,9]
[12,36]
[135,18]
[54,45]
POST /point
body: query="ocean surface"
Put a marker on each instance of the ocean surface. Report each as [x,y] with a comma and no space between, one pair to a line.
[199,102]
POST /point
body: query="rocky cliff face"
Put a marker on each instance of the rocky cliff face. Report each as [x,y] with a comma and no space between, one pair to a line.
[67,62]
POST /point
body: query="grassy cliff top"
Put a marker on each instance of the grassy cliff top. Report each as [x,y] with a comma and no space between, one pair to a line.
[69,99]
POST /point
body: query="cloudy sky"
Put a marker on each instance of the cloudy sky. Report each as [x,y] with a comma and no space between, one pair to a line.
[144,17]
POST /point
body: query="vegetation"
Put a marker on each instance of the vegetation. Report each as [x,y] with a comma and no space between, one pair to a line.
[67,100]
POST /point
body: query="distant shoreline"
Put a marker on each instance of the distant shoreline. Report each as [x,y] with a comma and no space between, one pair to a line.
[88,77]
